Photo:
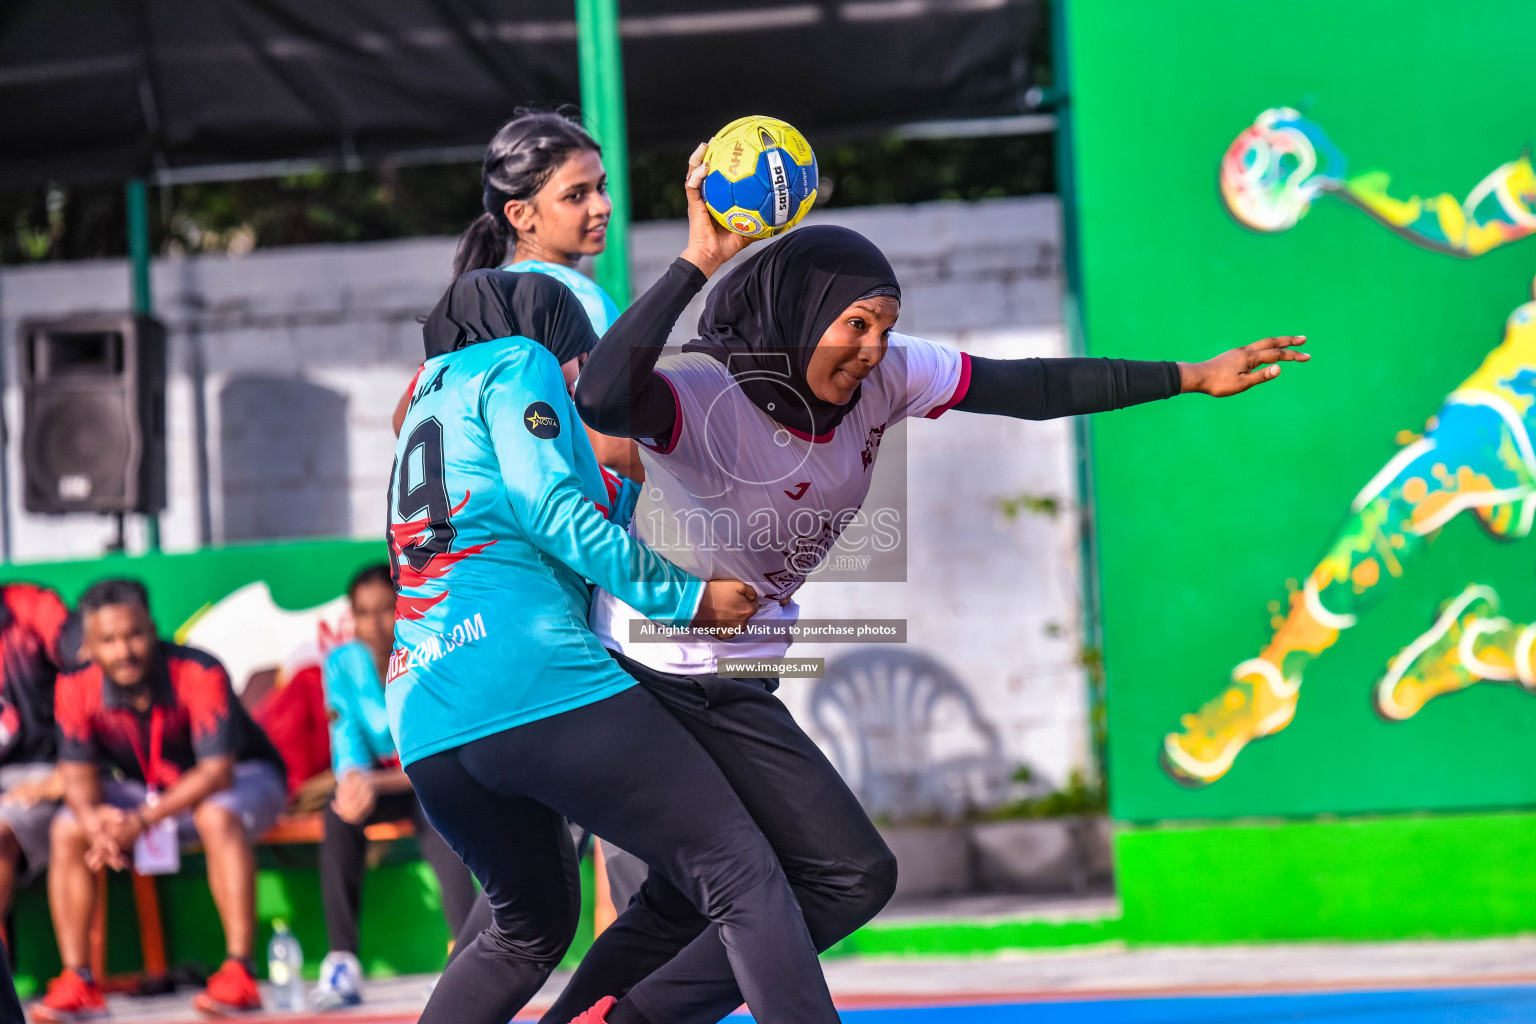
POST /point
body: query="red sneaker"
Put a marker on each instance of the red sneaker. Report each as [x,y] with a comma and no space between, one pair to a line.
[231,989]
[598,1014]
[70,998]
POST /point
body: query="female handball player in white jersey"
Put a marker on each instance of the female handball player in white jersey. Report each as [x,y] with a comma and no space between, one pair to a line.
[774,416]
[508,715]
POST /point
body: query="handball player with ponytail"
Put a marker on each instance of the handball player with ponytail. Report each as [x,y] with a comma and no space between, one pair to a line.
[546,207]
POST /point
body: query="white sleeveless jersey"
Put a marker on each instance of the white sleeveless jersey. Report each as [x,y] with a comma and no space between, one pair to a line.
[731,494]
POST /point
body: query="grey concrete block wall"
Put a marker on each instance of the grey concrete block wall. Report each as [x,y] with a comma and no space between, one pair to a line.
[346,314]
[285,365]
[278,362]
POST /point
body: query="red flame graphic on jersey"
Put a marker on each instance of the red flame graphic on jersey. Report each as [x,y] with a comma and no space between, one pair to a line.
[409,535]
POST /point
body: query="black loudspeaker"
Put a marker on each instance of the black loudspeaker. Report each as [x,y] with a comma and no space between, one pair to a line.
[93,414]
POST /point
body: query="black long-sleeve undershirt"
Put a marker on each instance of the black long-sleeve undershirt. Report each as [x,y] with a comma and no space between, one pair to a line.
[1045,389]
[620,393]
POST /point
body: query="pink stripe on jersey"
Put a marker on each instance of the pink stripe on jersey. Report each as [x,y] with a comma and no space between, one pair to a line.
[677,421]
[961,388]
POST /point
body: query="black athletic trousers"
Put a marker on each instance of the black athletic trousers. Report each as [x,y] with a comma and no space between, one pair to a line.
[625,769]
[625,874]
[840,869]
[343,858]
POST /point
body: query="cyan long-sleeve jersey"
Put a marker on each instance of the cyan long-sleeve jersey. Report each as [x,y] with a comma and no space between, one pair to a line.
[600,307]
[354,702]
[497,527]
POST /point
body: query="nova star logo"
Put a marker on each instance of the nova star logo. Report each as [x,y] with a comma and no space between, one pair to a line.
[541,421]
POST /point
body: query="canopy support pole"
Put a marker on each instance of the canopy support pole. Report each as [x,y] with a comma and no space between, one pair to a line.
[1059,97]
[602,102]
[138,268]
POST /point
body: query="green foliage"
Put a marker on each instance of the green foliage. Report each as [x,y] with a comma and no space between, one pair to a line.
[47,222]
[1047,505]
[879,171]
[1078,797]
[54,222]
[59,222]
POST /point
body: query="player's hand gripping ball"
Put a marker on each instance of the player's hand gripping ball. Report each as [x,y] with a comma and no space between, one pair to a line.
[762,176]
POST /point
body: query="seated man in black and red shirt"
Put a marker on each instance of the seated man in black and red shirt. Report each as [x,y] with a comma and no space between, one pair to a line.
[31,624]
[166,719]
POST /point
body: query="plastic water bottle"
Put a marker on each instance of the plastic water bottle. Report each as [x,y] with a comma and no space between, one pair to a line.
[285,965]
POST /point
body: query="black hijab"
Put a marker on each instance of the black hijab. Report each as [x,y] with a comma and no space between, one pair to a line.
[764,319]
[484,305]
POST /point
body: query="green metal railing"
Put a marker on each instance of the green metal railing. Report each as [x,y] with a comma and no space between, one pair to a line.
[143,305]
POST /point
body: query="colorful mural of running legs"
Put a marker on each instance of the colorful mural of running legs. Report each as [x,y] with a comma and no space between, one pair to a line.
[1476,455]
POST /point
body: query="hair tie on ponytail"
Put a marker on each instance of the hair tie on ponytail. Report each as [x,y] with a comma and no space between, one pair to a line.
[483,246]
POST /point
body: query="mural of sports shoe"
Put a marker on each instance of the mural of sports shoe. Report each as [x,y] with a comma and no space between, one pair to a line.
[1469,642]
[1475,455]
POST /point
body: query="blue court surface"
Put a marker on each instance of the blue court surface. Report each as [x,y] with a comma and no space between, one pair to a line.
[1494,1005]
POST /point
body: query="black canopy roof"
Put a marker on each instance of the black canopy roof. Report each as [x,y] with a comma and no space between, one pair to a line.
[112,89]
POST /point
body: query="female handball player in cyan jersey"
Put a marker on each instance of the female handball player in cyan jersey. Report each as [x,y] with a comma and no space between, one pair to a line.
[773,417]
[544,195]
[509,715]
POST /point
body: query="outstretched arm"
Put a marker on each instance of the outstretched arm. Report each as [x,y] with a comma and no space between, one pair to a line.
[1044,389]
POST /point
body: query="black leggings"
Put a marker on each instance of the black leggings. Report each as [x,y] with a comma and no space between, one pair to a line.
[624,768]
[840,869]
[343,858]
[625,874]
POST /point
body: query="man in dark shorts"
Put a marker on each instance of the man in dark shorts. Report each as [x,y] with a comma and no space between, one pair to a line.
[192,767]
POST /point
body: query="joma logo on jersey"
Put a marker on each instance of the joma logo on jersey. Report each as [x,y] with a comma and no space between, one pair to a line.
[541,421]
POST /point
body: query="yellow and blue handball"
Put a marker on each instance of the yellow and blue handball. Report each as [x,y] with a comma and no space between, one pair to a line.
[762,176]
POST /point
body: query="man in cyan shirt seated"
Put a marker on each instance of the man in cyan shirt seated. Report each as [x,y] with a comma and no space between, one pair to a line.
[155,751]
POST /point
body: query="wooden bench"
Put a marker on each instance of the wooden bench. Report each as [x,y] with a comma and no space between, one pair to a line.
[289,830]
[310,828]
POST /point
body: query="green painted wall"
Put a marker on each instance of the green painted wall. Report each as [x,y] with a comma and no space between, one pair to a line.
[301,574]
[1442,876]
[1206,508]
[1360,879]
